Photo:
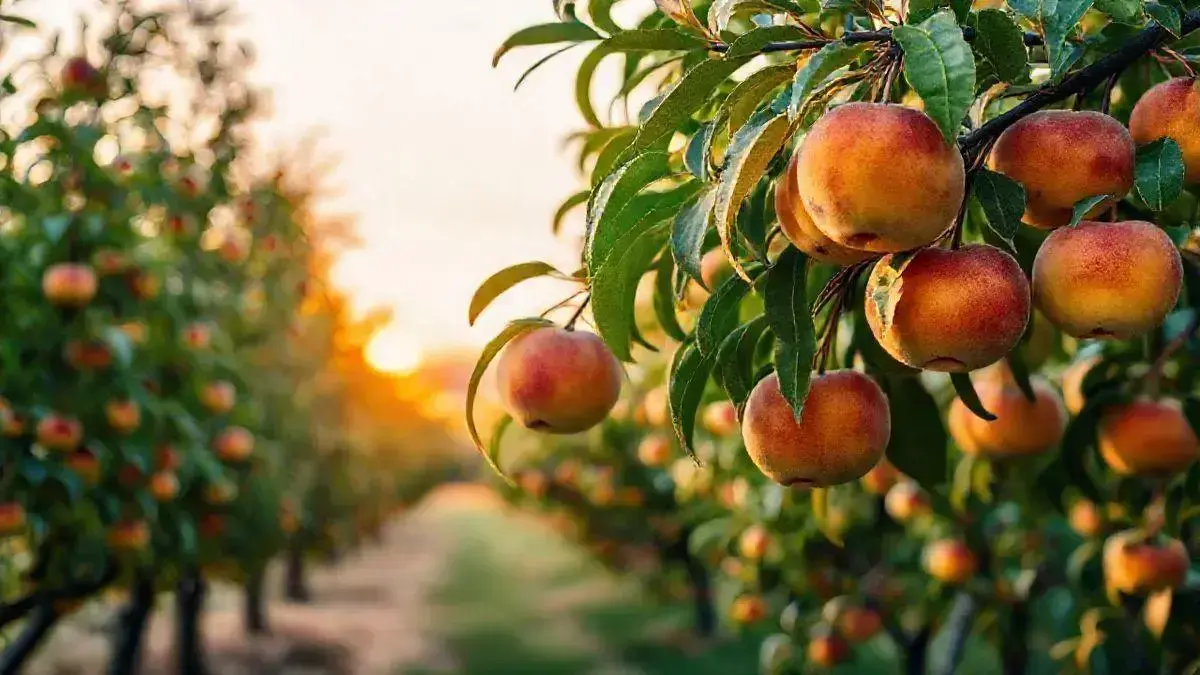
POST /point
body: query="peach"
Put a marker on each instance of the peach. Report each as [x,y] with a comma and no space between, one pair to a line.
[559,381]
[167,458]
[218,397]
[800,229]
[906,502]
[221,492]
[87,354]
[950,310]
[1062,157]
[1085,518]
[748,609]
[1072,382]
[1147,438]
[1021,428]
[234,444]
[12,423]
[123,416]
[715,268]
[110,261]
[1170,110]
[950,561]
[1137,564]
[12,518]
[959,421]
[879,177]
[84,463]
[57,432]
[1107,280]
[69,284]
[129,536]
[197,335]
[122,166]
[855,623]
[654,450]
[720,419]
[164,486]
[827,651]
[881,478]
[656,407]
[211,525]
[754,542]
[143,285]
[843,430]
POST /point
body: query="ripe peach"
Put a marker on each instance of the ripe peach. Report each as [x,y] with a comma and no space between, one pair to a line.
[879,177]
[57,432]
[654,450]
[842,433]
[656,407]
[1021,428]
[221,492]
[12,423]
[87,354]
[558,381]
[79,77]
[1085,518]
[143,285]
[218,397]
[800,229]
[754,542]
[122,166]
[720,419]
[950,561]
[881,478]
[859,624]
[1170,110]
[827,651]
[234,444]
[1072,383]
[164,486]
[1063,156]
[69,284]
[1147,438]
[1107,280]
[748,609]
[110,261]
[197,335]
[1137,564]
[715,268]
[123,416]
[951,310]
[12,518]
[129,536]
[84,463]
[906,502]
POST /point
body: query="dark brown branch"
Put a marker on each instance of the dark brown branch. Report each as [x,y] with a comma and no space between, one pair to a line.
[857,37]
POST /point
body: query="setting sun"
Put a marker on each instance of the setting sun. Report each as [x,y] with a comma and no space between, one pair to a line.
[393,350]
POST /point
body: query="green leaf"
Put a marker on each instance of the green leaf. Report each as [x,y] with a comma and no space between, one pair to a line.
[1057,27]
[643,210]
[685,98]
[966,391]
[828,60]
[546,34]
[1000,43]
[121,345]
[734,369]
[695,157]
[573,201]
[1080,436]
[1002,200]
[564,9]
[615,194]
[615,281]
[654,39]
[1124,11]
[1083,206]
[820,509]
[721,11]
[689,376]
[752,41]
[750,93]
[1020,373]
[664,300]
[719,316]
[600,11]
[1165,16]
[940,67]
[612,153]
[689,230]
[1158,174]
[19,20]
[788,313]
[583,84]
[493,450]
[711,535]
[539,63]
[918,443]
[503,280]
[1191,410]
[493,348]
[750,153]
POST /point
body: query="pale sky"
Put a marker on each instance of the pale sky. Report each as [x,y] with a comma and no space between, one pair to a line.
[451,174]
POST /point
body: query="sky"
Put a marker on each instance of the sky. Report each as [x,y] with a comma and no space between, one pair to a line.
[452,175]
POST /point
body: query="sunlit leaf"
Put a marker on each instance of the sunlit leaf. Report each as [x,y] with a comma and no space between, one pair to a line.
[503,280]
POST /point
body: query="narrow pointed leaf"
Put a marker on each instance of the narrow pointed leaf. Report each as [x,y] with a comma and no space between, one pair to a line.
[748,96]
[689,230]
[820,508]
[1002,200]
[720,314]
[734,369]
[503,280]
[1058,27]
[825,62]
[940,66]
[664,299]
[1083,206]
[788,313]
[654,39]
[1158,174]
[614,283]
[573,201]
[966,391]
[689,375]
[918,443]
[1000,43]
[546,34]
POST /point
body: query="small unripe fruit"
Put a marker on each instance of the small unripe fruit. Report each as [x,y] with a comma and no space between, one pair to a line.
[754,542]
[218,397]
[164,486]
[12,518]
[1147,438]
[110,261]
[143,285]
[1062,157]
[1136,564]
[1107,280]
[1085,519]
[879,177]
[843,430]
[234,444]
[949,310]
[715,268]
[799,228]
[906,502]
[558,381]
[720,419]
[654,451]
[56,432]
[748,609]
[81,78]
[1171,109]
[950,561]
[881,478]
[69,284]
[123,416]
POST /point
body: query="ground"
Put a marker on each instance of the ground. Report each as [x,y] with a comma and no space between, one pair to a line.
[461,586]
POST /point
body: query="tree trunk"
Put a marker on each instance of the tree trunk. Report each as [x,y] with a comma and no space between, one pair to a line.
[1016,640]
[127,651]
[12,661]
[917,652]
[706,615]
[255,610]
[295,582]
[189,603]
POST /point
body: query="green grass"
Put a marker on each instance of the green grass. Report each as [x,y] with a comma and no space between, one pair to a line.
[517,599]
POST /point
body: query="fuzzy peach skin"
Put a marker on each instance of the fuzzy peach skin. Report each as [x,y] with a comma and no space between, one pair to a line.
[1135,566]
[1171,109]
[1148,438]
[843,430]
[558,381]
[1022,427]
[799,228]
[950,561]
[955,310]
[879,177]
[1063,156]
[1107,280]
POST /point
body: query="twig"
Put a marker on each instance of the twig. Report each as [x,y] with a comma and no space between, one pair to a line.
[578,312]
[857,37]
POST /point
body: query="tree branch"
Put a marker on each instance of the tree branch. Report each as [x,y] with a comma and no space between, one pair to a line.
[852,38]
[958,625]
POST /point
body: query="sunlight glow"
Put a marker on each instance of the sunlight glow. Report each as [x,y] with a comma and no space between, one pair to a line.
[394,350]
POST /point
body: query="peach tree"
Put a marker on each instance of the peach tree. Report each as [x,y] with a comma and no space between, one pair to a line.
[940,262]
